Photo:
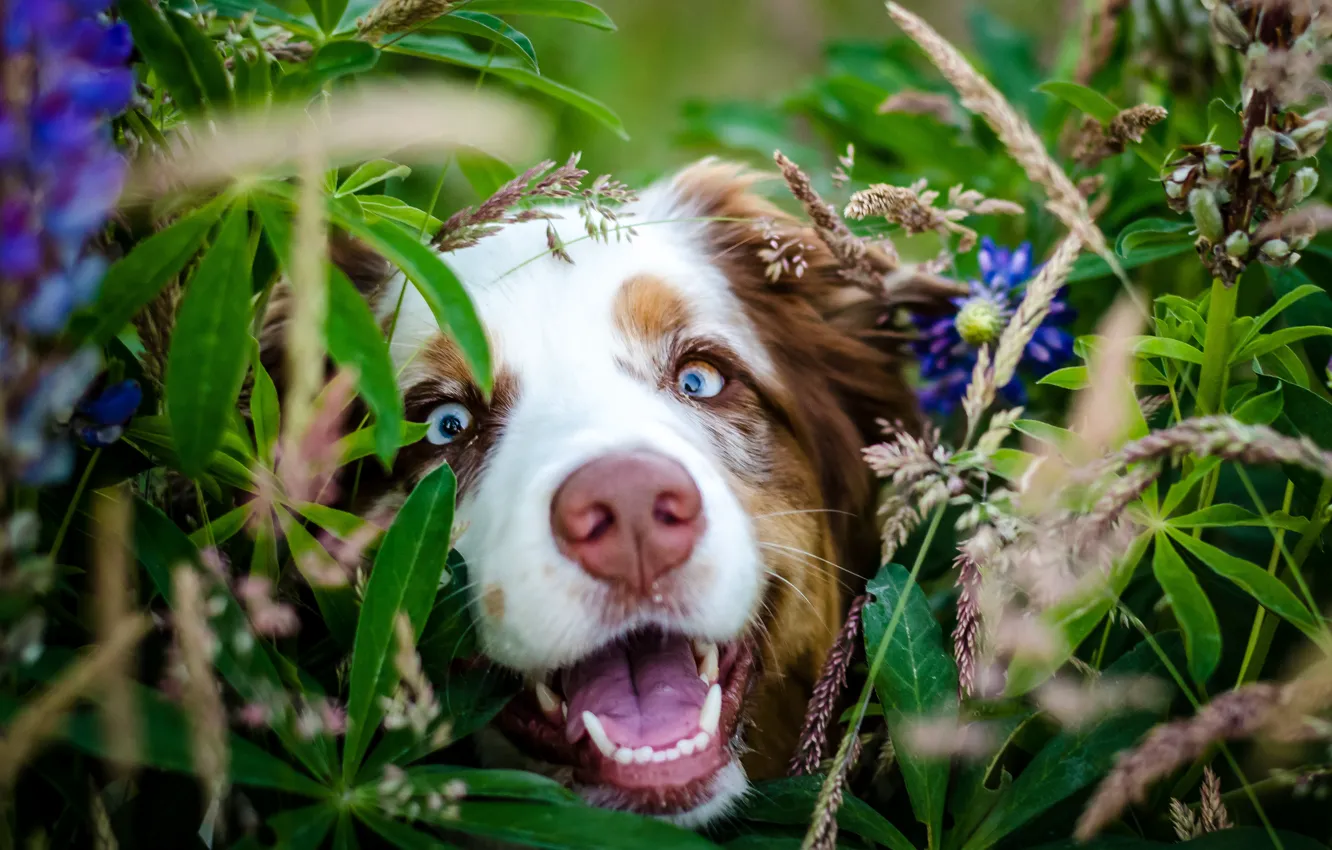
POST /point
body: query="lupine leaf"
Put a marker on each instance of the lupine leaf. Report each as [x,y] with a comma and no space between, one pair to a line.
[570,10]
[1202,632]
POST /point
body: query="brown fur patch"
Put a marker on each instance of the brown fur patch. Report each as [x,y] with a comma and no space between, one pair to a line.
[493,601]
[832,387]
[649,310]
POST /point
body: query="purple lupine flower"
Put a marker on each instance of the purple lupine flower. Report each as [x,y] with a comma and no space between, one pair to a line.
[947,346]
[66,76]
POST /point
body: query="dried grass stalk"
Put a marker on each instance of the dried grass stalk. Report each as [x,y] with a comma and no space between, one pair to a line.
[822,834]
[859,265]
[399,16]
[195,644]
[1022,142]
[308,300]
[1035,306]
[44,714]
[113,581]
[351,126]
[1226,438]
[826,691]
[1212,813]
[966,633]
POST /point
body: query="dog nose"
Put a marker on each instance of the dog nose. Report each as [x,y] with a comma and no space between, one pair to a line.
[628,518]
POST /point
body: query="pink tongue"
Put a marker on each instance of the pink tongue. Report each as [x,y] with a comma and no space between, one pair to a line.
[645,692]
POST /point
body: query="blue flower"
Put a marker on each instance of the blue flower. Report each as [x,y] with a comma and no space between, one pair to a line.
[947,346]
[62,176]
[101,418]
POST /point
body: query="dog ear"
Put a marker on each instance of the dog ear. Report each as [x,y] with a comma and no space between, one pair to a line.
[841,372]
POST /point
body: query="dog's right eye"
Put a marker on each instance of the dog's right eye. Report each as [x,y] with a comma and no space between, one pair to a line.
[446,422]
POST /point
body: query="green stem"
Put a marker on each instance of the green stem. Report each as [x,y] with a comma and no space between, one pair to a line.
[1261,614]
[73,504]
[1216,349]
[880,652]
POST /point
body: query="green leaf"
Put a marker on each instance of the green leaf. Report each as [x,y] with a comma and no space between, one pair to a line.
[203,58]
[1151,231]
[1224,124]
[223,528]
[1092,267]
[1073,759]
[449,48]
[340,59]
[1181,488]
[438,285]
[562,827]
[356,341]
[1074,618]
[404,580]
[1171,349]
[343,525]
[370,173]
[1266,589]
[1290,298]
[1215,516]
[1061,439]
[1270,342]
[396,209]
[264,413]
[138,277]
[484,173]
[400,835]
[263,11]
[361,442]
[918,680]
[1069,378]
[209,345]
[791,802]
[490,28]
[1202,632]
[160,47]
[304,828]
[337,603]
[1262,409]
[327,12]
[500,784]
[253,83]
[570,10]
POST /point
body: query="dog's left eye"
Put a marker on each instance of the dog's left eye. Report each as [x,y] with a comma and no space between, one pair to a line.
[698,379]
[446,422]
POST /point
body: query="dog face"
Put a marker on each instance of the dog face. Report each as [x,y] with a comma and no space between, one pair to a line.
[653,494]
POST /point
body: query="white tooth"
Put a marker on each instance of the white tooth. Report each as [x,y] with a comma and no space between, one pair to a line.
[658,756]
[564,709]
[597,733]
[671,755]
[643,755]
[709,669]
[701,741]
[702,647]
[710,716]
[624,755]
[549,700]
[686,747]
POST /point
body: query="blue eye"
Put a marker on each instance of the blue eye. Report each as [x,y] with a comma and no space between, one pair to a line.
[446,422]
[698,379]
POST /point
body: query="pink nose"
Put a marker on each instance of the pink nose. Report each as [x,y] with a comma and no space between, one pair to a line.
[628,518]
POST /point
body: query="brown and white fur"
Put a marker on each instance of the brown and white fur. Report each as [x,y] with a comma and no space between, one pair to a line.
[587,358]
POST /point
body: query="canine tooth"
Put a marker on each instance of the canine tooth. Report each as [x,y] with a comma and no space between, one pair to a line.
[671,755]
[709,669]
[564,709]
[658,756]
[701,647]
[624,755]
[643,755]
[701,741]
[597,733]
[710,716]
[685,746]
[550,701]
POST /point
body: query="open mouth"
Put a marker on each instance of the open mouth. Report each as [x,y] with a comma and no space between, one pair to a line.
[647,722]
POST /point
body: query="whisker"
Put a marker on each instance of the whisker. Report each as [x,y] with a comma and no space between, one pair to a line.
[809,511]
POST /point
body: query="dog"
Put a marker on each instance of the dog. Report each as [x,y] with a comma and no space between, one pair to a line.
[664,499]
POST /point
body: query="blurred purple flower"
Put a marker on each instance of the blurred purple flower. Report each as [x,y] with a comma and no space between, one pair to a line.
[66,77]
[947,346]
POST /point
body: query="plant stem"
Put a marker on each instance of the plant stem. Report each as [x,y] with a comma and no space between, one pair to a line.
[1261,614]
[1216,351]
[73,504]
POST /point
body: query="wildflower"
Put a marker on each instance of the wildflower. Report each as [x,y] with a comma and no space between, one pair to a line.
[100,419]
[62,175]
[948,347]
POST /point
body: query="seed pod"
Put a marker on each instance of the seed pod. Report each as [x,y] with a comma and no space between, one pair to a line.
[1309,139]
[1237,244]
[1275,249]
[1262,149]
[1228,26]
[1299,186]
[1216,166]
[1287,150]
[1206,213]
